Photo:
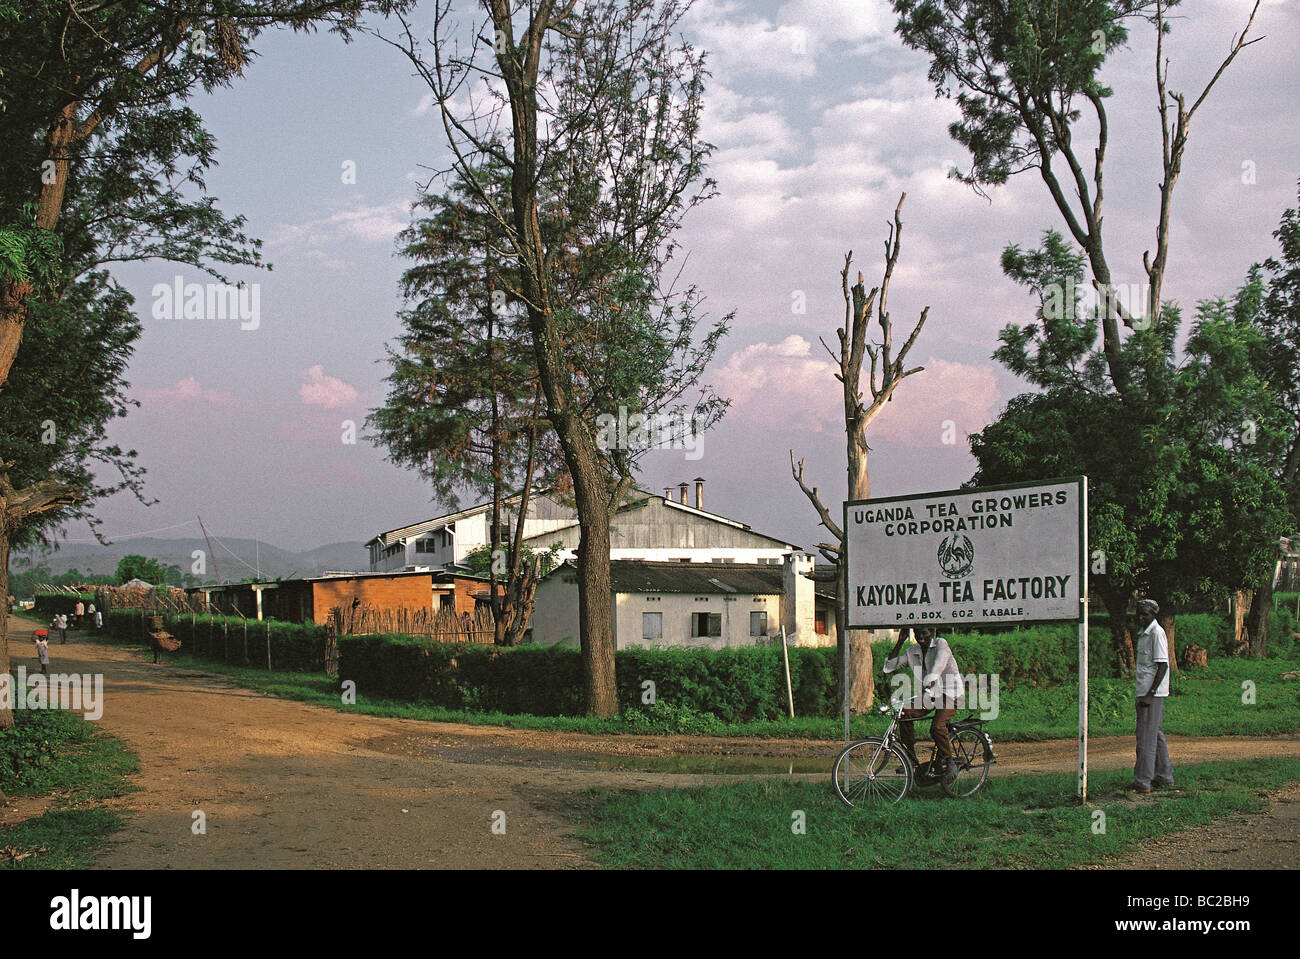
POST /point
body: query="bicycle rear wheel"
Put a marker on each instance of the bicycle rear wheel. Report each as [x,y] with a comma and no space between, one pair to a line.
[870,772]
[974,755]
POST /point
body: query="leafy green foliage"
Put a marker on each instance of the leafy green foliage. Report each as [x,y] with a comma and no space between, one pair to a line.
[292,645]
[136,566]
[1017,70]
[479,559]
[1183,498]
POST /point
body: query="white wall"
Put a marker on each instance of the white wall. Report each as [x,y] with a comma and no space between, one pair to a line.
[677,609]
[471,533]
[555,611]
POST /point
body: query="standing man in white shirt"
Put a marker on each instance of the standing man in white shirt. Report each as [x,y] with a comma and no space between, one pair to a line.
[1152,688]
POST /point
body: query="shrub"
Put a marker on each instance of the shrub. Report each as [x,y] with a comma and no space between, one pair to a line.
[48,604]
[294,646]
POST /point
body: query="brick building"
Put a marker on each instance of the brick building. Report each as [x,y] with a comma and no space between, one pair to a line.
[310,600]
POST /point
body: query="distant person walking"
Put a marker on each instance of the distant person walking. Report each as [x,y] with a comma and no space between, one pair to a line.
[41,639]
[99,620]
[1152,688]
[61,624]
[79,613]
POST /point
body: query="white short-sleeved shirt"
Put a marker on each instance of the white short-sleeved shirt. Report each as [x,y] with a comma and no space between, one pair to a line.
[1152,648]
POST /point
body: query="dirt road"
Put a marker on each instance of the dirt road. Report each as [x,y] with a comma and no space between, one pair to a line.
[282,784]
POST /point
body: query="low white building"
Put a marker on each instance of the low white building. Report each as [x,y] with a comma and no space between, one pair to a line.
[663,604]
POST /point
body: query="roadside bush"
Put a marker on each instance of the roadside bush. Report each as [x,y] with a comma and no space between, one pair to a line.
[733,685]
[1207,630]
[48,604]
[294,646]
[669,718]
[737,685]
[33,743]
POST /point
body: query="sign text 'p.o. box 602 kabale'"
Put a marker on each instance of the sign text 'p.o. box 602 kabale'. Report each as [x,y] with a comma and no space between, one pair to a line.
[1007,554]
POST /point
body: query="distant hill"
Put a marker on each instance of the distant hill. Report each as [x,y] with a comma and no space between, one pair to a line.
[248,556]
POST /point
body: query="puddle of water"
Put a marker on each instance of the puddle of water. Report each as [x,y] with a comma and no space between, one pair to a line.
[719,765]
[691,765]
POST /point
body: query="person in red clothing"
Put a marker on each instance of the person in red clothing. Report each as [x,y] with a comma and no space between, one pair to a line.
[41,640]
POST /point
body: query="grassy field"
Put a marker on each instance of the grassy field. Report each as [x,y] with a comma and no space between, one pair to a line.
[1203,702]
[60,755]
[1014,822]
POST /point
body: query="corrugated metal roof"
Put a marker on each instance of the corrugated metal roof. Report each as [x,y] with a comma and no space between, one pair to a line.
[645,576]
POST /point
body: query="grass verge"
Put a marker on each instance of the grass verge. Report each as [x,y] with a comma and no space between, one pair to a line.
[1241,697]
[60,755]
[1014,822]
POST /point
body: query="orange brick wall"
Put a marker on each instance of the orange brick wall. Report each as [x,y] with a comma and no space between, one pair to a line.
[387,592]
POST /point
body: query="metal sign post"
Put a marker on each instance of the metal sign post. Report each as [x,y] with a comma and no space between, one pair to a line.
[1083,658]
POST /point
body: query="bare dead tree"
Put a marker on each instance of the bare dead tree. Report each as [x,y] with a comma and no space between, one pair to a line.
[887,370]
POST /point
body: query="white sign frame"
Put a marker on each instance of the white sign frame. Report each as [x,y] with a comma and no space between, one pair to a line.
[887,620]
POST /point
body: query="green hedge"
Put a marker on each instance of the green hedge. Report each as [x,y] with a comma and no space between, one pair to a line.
[51,603]
[743,684]
[734,685]
[294,646]
[731,685]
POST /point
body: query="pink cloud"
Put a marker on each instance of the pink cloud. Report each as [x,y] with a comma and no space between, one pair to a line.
[326,391]
[791,385]
[187,390]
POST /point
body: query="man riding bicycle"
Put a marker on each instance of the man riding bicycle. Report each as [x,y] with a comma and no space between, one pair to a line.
[937,683]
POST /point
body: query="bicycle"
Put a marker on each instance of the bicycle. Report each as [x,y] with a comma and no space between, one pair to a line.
[878,768]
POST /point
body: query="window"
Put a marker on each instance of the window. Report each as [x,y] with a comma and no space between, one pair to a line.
[424,546]
[819,622]
[652,625]
[446,601]
[706,624]
[758,622]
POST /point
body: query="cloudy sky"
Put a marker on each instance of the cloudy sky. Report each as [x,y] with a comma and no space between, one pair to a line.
[821,118]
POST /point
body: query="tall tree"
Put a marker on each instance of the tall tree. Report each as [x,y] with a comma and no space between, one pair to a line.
[1025,75]
[856,688]
[1183,501]
[1276,311]
[593,108]
[104,163]
[464,402]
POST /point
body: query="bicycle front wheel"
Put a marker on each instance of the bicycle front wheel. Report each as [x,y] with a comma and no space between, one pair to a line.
[871,772]
[974,755]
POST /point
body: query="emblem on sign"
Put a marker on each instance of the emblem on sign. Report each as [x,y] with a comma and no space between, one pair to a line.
[956,555]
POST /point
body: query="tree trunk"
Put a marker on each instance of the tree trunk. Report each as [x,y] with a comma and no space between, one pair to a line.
[861,672]
[1116,601]
[595,616]
[1241,602]
[1261,611]
[6,714]
[1166,621]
